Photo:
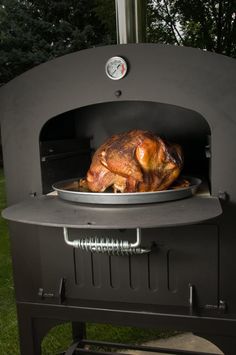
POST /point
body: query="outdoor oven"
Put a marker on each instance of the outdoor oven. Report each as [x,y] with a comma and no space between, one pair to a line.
[181,276]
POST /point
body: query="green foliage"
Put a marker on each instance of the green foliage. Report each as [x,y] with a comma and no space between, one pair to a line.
[161,23]
[105,11]
[128,335]
[8,323]
[34,31]
[209,25]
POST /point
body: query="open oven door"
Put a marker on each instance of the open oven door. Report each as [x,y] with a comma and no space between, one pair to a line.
[54,212]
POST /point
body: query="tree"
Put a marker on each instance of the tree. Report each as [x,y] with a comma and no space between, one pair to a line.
[205,24]
[32,32]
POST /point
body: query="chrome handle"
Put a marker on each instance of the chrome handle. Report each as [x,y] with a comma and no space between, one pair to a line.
[106,245]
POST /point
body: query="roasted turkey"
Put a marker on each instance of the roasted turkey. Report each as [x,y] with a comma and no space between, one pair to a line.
[134,161]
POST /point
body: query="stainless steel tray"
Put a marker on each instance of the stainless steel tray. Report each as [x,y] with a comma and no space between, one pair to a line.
[69,190]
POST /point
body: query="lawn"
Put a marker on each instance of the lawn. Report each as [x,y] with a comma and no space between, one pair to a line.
[59,337]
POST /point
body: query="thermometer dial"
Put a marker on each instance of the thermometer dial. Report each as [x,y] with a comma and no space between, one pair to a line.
[116,68]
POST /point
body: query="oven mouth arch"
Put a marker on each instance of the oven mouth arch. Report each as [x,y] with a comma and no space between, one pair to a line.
[131,110]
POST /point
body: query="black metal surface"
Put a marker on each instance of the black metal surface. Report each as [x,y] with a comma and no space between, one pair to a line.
[62,158]
[51,211]
[189,273]
[161,278]
[72,351]
[92,352]
[146,348]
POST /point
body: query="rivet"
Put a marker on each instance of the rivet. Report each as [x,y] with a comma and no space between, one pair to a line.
[118,93]
[222,195]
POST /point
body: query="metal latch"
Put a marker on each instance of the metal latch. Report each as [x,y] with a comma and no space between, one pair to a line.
[43,294]
[220,308]
[61,293]
[106,245]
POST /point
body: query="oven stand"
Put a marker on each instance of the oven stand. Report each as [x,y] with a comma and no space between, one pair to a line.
[35,321]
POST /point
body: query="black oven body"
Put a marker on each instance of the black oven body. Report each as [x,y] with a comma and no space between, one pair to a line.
[52,119]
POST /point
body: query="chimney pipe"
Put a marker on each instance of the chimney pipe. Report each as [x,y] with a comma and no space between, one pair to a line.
[130,21]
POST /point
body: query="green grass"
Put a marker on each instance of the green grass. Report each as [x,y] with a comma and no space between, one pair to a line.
[8,322]
[58,338]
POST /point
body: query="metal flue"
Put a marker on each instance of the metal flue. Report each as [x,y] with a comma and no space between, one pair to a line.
[131,21]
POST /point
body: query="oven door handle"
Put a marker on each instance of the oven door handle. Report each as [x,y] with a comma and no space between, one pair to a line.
[106,245]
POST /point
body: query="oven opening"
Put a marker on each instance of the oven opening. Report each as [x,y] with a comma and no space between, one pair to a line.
[68,141]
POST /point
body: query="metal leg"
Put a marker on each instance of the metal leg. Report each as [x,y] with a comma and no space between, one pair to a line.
[32,330]
[30,342]
[78,334]
[78,331]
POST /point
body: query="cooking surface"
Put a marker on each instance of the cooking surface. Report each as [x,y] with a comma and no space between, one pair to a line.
[51,211]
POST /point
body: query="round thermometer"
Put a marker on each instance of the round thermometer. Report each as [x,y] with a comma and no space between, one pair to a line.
[116,68]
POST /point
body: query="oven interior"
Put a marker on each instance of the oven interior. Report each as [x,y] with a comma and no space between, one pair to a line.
[68,141]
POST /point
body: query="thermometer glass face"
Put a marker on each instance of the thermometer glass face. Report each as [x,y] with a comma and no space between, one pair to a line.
[116,68]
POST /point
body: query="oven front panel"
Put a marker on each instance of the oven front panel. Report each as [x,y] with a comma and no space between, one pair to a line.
[179,257]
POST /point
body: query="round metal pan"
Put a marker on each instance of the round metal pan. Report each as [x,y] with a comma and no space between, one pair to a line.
[69,190]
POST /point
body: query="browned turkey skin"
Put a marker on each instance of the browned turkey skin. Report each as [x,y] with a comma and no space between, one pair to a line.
[134,161]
